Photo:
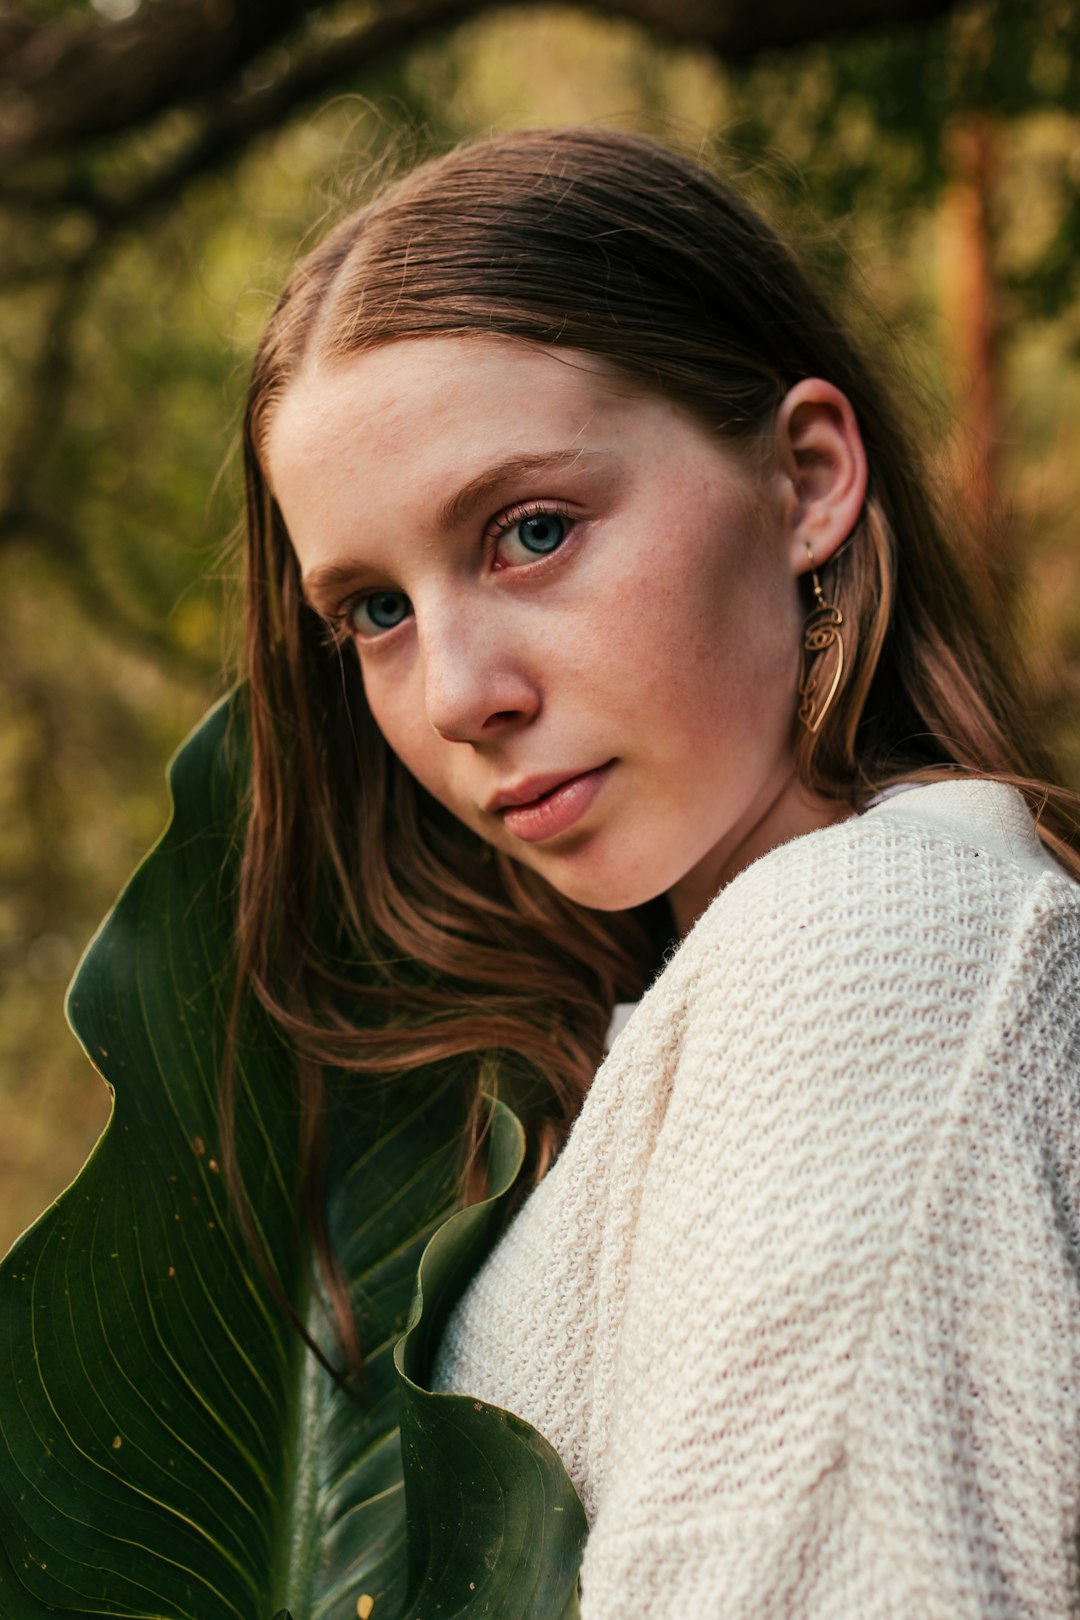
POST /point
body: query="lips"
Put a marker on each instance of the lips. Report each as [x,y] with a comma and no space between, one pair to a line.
[541,807]
[532,789]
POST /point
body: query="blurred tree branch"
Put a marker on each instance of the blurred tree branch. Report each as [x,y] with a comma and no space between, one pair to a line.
[106,124]
[76,90]
[74,79]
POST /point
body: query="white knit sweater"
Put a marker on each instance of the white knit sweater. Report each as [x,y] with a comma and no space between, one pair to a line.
[799,1303]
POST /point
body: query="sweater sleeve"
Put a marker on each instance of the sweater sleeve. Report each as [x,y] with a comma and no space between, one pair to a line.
[847,1379]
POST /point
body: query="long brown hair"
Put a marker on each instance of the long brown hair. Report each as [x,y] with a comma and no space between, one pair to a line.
[612,244]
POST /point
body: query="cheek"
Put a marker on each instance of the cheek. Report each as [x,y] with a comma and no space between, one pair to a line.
[401,720]
[397,708]
[707,632]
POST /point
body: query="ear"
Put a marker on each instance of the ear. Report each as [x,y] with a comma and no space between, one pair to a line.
[823,462]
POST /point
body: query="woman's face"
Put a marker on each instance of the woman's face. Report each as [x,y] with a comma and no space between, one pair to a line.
[576,616]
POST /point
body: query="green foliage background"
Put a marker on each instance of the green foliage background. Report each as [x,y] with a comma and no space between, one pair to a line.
[118,620]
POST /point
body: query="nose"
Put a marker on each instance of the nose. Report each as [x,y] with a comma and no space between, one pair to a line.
[478,679]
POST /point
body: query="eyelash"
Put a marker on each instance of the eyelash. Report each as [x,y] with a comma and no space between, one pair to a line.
[339,627]
[526,509]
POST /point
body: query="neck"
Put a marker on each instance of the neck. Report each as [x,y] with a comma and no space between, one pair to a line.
[791,811]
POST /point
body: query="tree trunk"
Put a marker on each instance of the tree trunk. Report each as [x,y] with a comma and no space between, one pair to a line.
[970,304]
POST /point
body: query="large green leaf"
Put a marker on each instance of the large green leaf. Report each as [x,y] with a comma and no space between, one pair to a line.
[169,1446]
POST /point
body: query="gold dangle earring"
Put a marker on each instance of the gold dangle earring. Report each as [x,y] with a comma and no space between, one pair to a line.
[821,631]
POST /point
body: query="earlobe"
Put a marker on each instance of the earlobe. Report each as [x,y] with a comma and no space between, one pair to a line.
[821,454]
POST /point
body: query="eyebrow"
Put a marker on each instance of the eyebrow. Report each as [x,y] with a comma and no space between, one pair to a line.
[465,500]
[332,577]
[327,582]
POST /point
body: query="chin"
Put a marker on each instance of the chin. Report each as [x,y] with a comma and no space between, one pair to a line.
[603,890]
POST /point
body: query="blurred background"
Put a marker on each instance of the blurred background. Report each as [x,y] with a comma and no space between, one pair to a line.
[160,163]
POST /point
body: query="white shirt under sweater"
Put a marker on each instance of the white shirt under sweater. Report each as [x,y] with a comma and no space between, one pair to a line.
[799,1303]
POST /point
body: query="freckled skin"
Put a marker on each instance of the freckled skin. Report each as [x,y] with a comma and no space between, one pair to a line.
[662,634]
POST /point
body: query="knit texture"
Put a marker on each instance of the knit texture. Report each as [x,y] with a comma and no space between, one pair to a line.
[799,1303]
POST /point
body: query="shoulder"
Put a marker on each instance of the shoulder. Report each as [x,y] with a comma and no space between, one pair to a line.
[857,978]
[956,863]
[859,998]
[878,947]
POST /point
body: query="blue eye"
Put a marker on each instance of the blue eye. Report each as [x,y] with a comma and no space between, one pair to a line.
[526,538]
[383,610]
[542,533]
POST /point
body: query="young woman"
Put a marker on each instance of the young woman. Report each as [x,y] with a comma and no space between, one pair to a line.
[598,599]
